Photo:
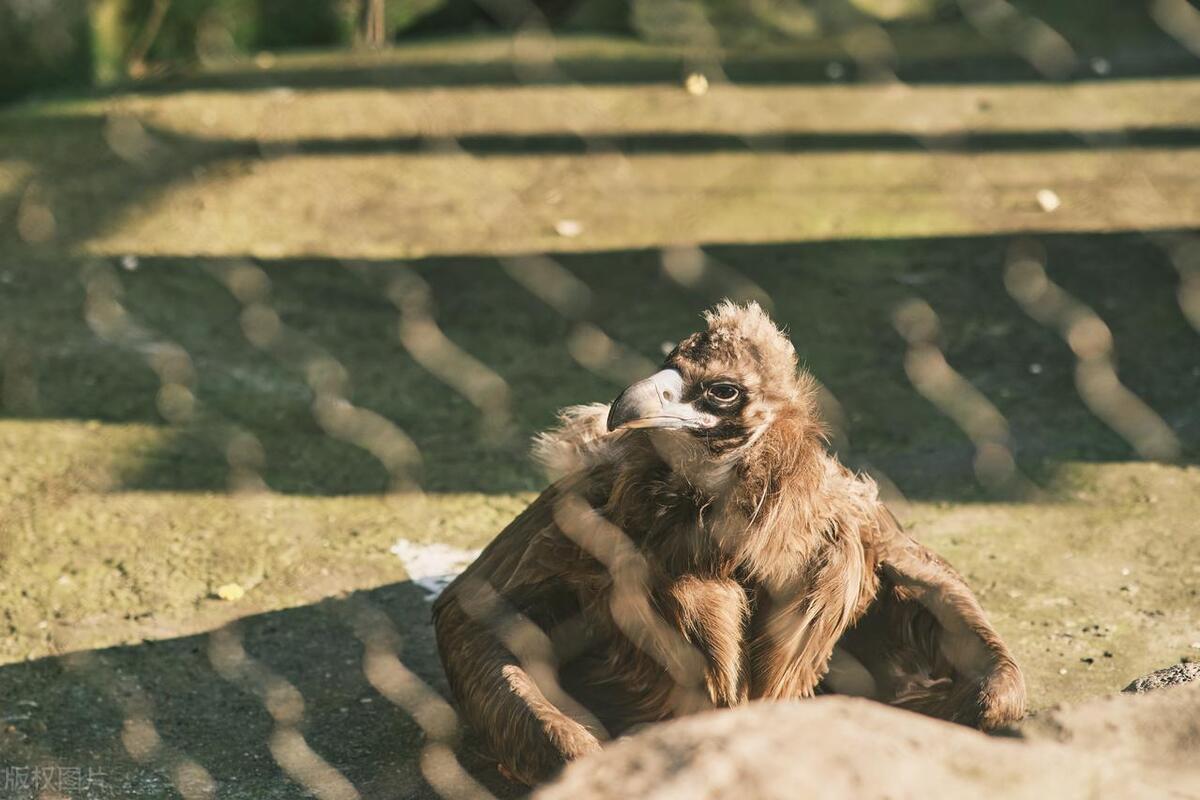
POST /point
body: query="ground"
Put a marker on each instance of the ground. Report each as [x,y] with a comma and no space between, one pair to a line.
[246,316]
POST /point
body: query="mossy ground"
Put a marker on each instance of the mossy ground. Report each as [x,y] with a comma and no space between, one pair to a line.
[123,214]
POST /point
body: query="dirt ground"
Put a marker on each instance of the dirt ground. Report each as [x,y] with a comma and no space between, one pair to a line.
[257,327]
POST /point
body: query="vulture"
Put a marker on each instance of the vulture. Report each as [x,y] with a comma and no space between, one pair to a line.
[701,548]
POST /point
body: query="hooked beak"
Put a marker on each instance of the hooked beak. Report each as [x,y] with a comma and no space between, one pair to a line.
[654,403]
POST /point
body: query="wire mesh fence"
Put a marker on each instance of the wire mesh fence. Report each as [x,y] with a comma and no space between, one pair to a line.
[323,304]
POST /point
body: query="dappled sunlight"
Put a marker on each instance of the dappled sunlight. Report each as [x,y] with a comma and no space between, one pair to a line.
[1071,579]
[593,59]
[450,364]
[325,376]
[955,397]
[139,736]
[275,336]
[109,320]
[285,704]
[1180,20]
[1092,343]
[160,558]
[285,116]
[376,206]
[1038,43]
[13,175]
[590,346]
[280,392]
[396,682]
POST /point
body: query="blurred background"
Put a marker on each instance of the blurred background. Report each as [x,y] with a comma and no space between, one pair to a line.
[286,286]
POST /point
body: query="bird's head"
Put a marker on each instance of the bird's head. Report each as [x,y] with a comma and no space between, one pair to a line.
[720,389]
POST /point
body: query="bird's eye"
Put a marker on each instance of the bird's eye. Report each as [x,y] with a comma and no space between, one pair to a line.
[724,392]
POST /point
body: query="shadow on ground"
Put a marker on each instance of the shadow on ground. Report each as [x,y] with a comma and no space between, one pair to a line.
[174,155]
[940,52]
[90,710]
[835,298]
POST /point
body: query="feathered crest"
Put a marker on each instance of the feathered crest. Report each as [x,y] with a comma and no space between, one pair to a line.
[752,323]
[737,332]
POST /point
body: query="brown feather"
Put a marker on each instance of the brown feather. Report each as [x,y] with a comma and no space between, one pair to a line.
[672,574]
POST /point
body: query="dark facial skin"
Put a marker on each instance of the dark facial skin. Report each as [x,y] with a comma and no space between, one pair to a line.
[724,399]
[706,391]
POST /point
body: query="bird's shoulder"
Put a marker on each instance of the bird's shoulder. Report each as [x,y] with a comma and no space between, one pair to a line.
[548,539]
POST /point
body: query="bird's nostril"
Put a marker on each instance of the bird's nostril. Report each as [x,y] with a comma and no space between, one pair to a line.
[667,395]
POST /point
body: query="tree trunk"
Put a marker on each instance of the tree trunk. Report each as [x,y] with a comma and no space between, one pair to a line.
[373,24]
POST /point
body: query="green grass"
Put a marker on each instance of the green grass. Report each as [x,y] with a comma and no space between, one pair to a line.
[117,525]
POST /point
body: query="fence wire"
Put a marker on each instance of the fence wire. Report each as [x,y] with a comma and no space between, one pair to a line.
[112,314]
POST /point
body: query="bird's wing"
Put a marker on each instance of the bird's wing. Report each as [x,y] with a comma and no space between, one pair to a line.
[928,644]
[554,550]
[495,627]
[530,556]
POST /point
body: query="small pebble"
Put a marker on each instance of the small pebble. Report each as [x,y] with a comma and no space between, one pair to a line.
[1048,200]
[231,592]
[696,84]
[568,228]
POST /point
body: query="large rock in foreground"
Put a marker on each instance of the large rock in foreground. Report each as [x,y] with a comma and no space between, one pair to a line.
[840,747]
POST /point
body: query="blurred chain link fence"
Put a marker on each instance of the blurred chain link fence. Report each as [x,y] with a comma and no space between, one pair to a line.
[860,30]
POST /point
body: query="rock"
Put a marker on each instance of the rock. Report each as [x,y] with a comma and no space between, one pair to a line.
[1175,675]
[696,84]
[231,592]
[1156,734]
[1048,200]
[569,228]
[841,747]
